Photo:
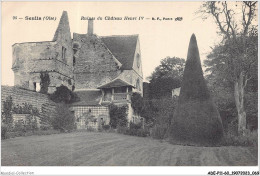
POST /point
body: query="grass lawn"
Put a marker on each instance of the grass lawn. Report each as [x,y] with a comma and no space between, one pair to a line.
[112,149]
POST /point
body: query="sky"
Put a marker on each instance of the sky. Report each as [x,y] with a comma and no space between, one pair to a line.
[158,39]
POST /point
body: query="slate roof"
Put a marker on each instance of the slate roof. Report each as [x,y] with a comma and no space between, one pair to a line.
[116,83]
[88,97]
[123,48]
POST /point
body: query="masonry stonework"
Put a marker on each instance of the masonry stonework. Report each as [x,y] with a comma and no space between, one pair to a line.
[30,59]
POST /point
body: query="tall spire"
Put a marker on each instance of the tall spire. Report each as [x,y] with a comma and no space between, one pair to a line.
[63,26]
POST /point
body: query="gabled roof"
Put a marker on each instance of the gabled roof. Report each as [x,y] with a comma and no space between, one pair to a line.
[118,82]
[88,98]
[123,48]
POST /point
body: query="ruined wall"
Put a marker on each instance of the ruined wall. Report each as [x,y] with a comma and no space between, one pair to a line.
[29,59]
[21,96]
[40,101]
[95,65]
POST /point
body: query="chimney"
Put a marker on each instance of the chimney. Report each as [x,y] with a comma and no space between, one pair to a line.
[90,27]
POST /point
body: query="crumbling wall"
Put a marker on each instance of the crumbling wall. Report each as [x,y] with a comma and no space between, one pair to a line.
[29,59]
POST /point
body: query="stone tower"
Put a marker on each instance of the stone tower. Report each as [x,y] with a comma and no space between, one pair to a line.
[54,57]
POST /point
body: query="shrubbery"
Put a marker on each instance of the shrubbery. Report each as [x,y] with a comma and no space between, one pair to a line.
[133,130]
[249,139]
[65,95]
[64,120]
[118,116]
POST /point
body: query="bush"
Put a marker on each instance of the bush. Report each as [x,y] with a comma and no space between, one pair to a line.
[118,116]
[135,126]
[63,94]
[133,131]
[249,139]
[64,119]
[91,129]
[159,131]
[4,129]
[106,127]
[196,119]
[45,127]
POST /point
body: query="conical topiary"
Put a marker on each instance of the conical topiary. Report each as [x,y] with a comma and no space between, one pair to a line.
[196,119]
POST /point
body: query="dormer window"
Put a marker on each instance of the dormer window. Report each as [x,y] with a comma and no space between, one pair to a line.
[138,60]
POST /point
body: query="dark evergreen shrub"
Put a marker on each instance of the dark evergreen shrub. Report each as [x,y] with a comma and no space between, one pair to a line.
[64,120]
[106,127]
[118,116]
[4,131]
[64,94]
[196,119]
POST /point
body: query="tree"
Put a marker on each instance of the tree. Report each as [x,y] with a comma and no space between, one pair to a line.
[7,110]
[63,94]
[45,82]
[137,103]
[237,55]
[169,67]
[64,120]
[167,76]
[118,116]
[196,119]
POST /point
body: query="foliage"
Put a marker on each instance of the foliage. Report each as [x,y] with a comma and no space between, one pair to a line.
[170,67]
[25,108]
[234,60]
[64,119]
[159,131]
[249,139]
[4,129]
[31,123]
[118,116]
[137,102]
[162,111]
[45,82]
[65,95]
[133,132]
[196,119]
[106,127]
[167,76]
[163,87]
[7,110]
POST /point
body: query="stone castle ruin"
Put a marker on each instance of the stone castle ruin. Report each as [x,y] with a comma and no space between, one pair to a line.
[85,62]
[101,70]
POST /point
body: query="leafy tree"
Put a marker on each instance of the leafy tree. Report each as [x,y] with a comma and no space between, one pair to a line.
[236,57]
[45,82]
[167,76]
[118,116]
[196,119]
[137,102]
[169,67]
[7,110]
[63,94]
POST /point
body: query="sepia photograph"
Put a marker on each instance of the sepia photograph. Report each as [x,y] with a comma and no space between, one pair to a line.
[129,84]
